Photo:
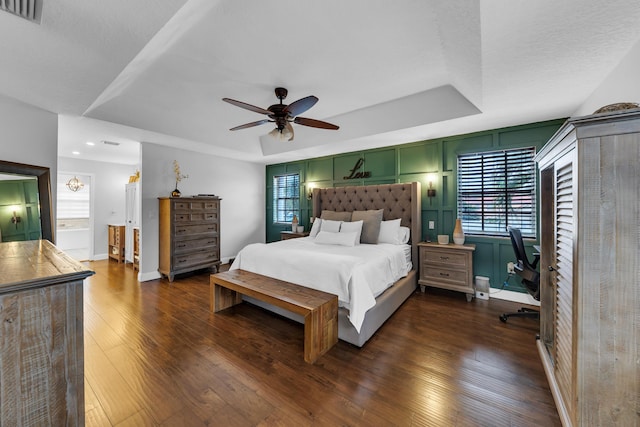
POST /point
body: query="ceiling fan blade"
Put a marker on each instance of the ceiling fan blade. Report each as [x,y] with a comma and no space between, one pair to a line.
[250,125]
[315,123]
[300,106]
[247,106]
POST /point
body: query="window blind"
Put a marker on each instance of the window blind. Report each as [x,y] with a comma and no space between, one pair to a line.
[286,197]
[496,190]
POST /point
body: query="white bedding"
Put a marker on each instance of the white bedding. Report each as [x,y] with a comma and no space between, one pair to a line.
[357,275]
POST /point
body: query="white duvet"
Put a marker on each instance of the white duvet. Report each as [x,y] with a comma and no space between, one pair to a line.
[357,275]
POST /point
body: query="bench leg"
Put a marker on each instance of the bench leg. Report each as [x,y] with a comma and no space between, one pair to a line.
[222,297]
[320,330]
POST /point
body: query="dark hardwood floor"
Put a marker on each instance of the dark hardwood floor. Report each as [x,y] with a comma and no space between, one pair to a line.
[155,355]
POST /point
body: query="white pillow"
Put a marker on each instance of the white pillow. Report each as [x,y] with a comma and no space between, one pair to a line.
[342,239]
[404,235]
[315,227]
[389,231]
[350,227]
[330,226]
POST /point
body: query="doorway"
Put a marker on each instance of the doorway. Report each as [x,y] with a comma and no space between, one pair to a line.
[74,223]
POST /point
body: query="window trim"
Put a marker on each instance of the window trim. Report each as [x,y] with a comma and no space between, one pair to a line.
[525,191]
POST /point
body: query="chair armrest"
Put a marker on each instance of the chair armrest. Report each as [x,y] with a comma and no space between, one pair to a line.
[536,259]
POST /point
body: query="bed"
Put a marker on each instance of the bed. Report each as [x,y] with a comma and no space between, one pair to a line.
[358,319]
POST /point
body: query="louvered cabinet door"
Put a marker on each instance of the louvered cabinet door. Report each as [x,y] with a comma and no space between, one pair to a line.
[562,278]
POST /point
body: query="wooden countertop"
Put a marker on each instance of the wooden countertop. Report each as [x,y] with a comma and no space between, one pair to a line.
[36,264]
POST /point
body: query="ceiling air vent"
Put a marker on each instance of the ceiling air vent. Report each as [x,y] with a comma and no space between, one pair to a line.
[110,143]
[31,10]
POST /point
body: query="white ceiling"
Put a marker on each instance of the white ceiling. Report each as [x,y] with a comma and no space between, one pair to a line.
[385,72]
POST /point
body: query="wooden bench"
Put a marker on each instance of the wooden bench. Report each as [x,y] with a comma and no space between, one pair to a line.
[320,309]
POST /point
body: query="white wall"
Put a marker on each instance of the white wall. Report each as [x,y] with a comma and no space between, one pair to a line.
[621,85]
[109,180]
[240,185]
[29,135]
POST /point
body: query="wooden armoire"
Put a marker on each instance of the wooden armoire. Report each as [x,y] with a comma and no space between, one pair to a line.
[590,268]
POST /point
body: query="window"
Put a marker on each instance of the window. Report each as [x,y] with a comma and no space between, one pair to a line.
[286,197]
[496,190]
[73,208]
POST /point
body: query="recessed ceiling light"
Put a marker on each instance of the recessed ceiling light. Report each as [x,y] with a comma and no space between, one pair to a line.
[75,152]
[91,143]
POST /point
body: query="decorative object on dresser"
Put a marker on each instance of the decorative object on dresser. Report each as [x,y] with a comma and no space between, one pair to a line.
[458,233]
[189,234]
[116,242]
[179,177]
[589,294]
[447,266]
[42,355]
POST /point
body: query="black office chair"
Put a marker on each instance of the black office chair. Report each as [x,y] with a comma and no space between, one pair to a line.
[530,277]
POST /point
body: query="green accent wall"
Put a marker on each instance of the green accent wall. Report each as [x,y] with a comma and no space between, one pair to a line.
[432,161]
[20,196]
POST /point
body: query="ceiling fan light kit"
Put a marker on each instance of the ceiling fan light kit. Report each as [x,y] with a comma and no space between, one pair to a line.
[283,115]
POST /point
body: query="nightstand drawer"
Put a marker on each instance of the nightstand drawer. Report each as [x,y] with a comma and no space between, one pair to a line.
[448,258]
[431,272]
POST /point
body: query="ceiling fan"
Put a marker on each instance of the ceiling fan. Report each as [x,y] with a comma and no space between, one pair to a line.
[283,115]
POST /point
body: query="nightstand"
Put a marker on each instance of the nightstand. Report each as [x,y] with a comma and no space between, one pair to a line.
[447,266]
[285,235]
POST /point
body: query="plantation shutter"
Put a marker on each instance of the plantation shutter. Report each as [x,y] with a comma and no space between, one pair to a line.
[286,197]
[496,190]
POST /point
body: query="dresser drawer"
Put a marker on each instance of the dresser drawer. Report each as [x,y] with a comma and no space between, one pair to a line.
[443,257]
[195,229]
[197,205]
[201,257]
[189,246]
[195,216]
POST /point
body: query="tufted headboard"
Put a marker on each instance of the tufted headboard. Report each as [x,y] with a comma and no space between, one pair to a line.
[398,201]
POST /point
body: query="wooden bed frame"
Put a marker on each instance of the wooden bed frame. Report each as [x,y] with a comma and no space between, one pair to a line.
[398,201]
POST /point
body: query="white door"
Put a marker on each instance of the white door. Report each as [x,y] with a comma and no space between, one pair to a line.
[132,215]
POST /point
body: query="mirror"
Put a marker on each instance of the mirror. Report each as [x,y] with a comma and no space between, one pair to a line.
[43,177]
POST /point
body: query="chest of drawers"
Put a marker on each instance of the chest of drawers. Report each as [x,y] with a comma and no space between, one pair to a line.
[447,266]
[189,235]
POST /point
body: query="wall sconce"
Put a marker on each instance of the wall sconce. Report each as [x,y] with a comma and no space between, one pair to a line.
[74,184]
[15,219]
[310,188]
[431,192]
